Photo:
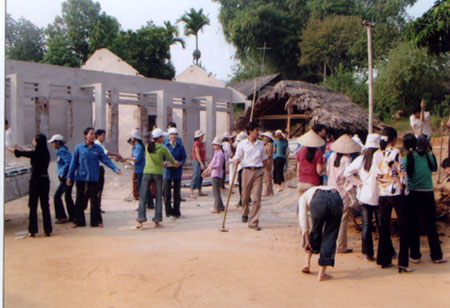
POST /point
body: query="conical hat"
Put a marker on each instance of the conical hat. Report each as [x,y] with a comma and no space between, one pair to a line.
[345,145]
[311,139]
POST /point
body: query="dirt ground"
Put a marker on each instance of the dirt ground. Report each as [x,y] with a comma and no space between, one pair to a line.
[189,263]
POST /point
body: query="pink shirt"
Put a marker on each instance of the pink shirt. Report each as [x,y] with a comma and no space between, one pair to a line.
[216,164]
[308,170]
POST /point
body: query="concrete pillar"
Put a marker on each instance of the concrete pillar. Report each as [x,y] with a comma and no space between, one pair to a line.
[162,104]
[114,120]
[100,106]
[17,106]
[210,124]
[192,124]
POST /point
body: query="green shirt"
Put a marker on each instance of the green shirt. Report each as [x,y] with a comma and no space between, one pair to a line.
[154,161]
[422,179]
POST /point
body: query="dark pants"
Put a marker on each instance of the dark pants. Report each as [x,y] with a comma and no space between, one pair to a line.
[218,204]
[149,202]
[278,170]
[87,191]
[60,213]
[367,213]
[39,191]
[422,204]
[384,255]
[326,211]
[175,210]
[101,183]
[147,179]
[222,180]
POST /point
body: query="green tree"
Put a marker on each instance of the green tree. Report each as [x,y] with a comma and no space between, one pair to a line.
[329,41]
[24,40]
[408,75]
[147,50]
[432,30]
[79,31]
[194,21]
[59,50]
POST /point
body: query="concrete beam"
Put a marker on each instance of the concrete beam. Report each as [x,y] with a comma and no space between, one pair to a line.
[17,106]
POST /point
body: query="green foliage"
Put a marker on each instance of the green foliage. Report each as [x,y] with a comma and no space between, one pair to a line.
[24,41]
[350,83]
[79,32]
[250,24]
[330,41]
[147,50]
[194,21]
[432,30]
[408,75]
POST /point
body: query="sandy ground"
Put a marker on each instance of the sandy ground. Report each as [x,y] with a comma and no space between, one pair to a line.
[189,263]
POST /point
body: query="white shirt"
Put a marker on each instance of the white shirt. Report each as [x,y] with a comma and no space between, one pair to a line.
[226,147]
[336,177]
[366,181]
[418,126]
[8,141]
[101,144]
[391,175]
[304,220]
[251,154]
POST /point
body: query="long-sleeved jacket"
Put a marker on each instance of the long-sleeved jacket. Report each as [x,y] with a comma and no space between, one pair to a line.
[63,159]
[85,162]
[179,153]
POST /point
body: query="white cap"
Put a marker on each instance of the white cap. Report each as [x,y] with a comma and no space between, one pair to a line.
[217,141]
[278,131]
[157,132]
[198,134]
[136,134]
[172,130]
[56,137]
[267,134]
[357,140]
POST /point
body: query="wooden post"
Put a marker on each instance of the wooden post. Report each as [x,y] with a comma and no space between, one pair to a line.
[369,26]
[253,100]
[289,121]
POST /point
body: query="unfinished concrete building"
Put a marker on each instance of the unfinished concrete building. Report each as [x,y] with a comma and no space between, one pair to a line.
[50,99]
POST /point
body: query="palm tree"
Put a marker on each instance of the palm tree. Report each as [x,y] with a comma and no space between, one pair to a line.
[194,21]
[172,31]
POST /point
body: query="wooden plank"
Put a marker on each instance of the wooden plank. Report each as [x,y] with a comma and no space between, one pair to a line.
[284,117]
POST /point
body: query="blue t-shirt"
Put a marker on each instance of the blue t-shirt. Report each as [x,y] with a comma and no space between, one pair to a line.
[280,148]
[138,153]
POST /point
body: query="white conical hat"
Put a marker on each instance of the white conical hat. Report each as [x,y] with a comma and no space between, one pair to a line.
[217,141]
[311,139]
[345,145]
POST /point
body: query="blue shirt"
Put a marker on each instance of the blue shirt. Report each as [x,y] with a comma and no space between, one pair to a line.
[85,162]
[63,158]
[179,153]
[280,148]
[138,153]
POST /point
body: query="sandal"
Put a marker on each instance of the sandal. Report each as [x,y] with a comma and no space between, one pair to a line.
[440,261]
[139,226]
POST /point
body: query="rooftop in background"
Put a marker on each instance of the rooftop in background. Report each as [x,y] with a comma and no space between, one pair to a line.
[247,87]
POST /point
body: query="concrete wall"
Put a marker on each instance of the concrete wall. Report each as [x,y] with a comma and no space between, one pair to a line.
[70,94]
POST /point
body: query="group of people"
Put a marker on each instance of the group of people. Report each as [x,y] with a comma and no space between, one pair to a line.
[375,179]
[332,178]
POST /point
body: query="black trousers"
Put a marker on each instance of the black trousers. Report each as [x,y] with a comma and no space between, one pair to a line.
[87,191]
[222,180]
[367,212]
[422,204]
[39,191]
[175,210]
[60,213]
[386,204]
[101,183]
[278,170]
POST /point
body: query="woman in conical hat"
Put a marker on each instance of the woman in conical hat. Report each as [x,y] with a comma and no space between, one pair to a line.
[268,148]
[336,165]
[310,161]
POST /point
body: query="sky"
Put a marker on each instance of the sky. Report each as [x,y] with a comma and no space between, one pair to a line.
[217,55]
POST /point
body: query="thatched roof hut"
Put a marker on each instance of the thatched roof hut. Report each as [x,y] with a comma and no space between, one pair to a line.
[290,102]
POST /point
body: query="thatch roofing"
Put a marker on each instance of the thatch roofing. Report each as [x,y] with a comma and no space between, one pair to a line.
[247,87]
[325,106]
